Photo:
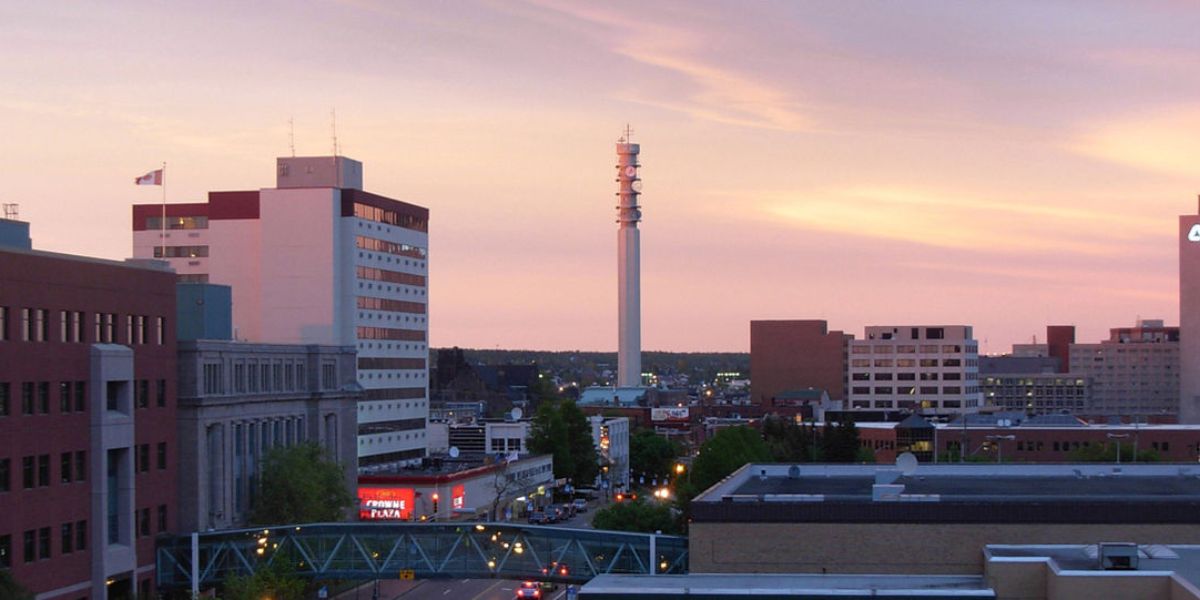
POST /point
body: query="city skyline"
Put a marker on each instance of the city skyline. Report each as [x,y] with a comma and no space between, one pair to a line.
[1001,166]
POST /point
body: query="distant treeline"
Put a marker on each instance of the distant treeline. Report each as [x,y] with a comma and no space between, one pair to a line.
[584,365]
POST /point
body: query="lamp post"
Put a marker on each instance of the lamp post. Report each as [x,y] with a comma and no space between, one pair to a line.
[1118,437]
[999,446]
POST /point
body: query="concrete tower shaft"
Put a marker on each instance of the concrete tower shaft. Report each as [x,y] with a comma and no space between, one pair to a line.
[629,285]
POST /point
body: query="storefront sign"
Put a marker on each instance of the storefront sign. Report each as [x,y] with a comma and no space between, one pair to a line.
[669,414]
[385,504]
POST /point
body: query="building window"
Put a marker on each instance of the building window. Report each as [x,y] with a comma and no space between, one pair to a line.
[160,326]
[26,325]
[213,379]
[43,466]
[129,329]
[68,537]
[64,397]
[5,475]
[44,543]
[30,538]
[5,551]
[162,518]
[77,326]
[110,324]
[144,522]
[5,398]
[3,323]
[181,251]
[81,465]
[27,472]
[80,396]
[160,398]
[62,326]
[328,376]
[143,458]
[44,397]
[143,393]
[162,455]
[27,398]
[81,535]
[64,467]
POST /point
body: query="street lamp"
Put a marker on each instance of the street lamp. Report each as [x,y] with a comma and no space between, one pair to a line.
[1118,436]
[999,446]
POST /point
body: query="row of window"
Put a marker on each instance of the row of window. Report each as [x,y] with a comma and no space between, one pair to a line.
[387,304]
[37,544]
[914,404]
[390,333]
[254,376]
[35,470]
[387,276]
[378,245]
[913,362]
[36,325]
[156,224]
[908,349]
[180,251]
[923,376]
[251,442]
[390,217]
[72,396]
[887,390]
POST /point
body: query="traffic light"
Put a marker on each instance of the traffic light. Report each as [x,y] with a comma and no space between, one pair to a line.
[435,502]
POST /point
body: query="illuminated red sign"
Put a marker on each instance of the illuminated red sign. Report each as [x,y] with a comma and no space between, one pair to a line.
[458,497]
[385,504]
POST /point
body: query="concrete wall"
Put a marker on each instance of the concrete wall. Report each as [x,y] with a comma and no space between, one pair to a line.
[890,547]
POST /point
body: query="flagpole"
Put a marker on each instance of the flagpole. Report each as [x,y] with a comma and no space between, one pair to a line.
[163,223]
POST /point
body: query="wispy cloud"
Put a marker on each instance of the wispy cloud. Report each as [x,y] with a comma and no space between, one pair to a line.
[1164,141]
[959,220]
[716,92]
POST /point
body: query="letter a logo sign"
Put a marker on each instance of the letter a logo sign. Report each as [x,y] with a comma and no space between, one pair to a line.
[1194,233]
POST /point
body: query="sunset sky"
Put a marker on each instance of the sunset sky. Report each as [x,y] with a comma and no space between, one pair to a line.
[1006,165]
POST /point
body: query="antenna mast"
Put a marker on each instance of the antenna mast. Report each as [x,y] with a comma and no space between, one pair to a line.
[333,122]
[292,135]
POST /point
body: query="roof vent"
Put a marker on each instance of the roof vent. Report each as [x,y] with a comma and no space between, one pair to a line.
[1120,556]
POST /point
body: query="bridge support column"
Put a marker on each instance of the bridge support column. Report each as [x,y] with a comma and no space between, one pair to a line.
[195,564]
[653,553]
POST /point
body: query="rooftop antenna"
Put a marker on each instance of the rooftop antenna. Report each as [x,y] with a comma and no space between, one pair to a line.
[333,122]
[292,135]
[628,137]
[10,211]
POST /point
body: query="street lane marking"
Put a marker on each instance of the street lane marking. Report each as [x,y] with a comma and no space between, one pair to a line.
[490,588]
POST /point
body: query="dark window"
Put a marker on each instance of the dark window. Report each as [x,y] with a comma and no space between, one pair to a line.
[27,398]
[143,458]
[5,475]
[935,333]
[68,537]
[81,465]
[162,455]
[81,535]
[44,397]
[80,396]
[144,522]
[162,518]
[43,468]
[143,393]
[65,467]
[1166,446]
[64,396]
[44,542]
[5,397]
[30,553]
[3,323]
[27,470]
[161,398]
[5,551]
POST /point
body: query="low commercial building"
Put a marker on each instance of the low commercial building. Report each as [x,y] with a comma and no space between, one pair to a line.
[453,489]
[867,519]
[929,370]
[1134,372]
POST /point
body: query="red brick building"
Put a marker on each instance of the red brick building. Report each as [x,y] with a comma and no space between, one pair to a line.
[795,355]
[87,422]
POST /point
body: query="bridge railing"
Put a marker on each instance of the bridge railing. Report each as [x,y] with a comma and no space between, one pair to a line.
[424,550]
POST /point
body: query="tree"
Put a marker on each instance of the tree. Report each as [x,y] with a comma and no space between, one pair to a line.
[788,441]
[11,588]
[637,515]
[651,454]
[300,484]
[726,452]
[276,581]
[561,429]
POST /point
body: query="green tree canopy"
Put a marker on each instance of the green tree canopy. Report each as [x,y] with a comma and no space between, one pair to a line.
[725,453]
[790,441]
[277,582]
[561,429]
[1108,453]
[11,588]
[300,484]
[651,454]
[638,515]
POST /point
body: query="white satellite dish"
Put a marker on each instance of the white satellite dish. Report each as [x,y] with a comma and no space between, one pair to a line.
[517,413]
[454,452]
[907,463]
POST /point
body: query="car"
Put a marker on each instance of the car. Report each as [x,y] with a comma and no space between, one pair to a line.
[538,518]
[529,589]
[580,505]
[568,510]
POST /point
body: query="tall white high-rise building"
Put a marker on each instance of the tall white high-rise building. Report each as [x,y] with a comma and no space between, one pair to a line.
[317,260]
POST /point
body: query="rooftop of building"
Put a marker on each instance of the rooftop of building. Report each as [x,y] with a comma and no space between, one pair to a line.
[1152,559]
[784,586]
[441,467]
[613,396]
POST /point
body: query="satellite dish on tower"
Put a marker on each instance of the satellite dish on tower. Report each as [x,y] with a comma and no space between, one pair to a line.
[453,451]
[516,413]
[907,463]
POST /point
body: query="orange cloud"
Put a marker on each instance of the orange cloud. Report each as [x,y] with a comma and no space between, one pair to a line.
[1164,141]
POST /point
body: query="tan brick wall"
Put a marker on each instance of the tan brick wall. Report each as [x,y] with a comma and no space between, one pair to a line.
[891,548]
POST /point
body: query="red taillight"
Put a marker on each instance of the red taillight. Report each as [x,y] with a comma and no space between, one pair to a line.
[563,571]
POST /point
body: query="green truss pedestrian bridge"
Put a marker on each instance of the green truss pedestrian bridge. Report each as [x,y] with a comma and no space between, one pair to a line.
[367,551]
